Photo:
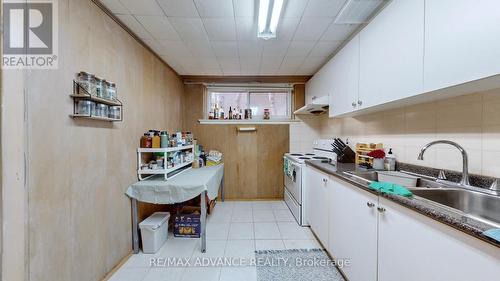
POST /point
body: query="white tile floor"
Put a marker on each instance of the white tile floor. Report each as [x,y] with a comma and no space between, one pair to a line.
[234,229]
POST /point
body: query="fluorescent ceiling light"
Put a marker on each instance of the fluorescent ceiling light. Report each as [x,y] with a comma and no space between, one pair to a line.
[269,16]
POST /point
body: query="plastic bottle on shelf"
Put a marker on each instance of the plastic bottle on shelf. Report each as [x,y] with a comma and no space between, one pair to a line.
[156,139]
[164,139]
[146,141]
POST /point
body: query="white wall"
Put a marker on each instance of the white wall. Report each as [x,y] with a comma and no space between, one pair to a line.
[303,133]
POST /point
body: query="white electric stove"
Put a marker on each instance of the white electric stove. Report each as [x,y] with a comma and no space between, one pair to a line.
[295,186]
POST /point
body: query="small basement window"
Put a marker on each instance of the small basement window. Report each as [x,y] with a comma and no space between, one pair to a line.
[277,101]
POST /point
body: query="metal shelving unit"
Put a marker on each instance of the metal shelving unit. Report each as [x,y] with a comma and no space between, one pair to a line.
[144,174]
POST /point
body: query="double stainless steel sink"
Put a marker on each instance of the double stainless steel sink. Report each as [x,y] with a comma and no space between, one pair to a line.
[473,202]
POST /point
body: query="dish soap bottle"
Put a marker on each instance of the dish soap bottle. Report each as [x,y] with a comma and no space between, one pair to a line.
[390,161]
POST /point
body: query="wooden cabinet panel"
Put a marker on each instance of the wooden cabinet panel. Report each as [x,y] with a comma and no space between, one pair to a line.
[461,41]
[353,229]
[411,242]
[392,54]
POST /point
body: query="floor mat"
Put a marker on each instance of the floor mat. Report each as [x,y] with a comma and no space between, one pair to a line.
[296,265]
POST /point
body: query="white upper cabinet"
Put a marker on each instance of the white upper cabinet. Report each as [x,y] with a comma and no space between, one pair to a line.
[344,79]
[462,41]
[319,85]
[392,53]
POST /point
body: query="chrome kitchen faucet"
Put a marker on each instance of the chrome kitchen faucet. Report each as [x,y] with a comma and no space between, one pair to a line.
[465,167]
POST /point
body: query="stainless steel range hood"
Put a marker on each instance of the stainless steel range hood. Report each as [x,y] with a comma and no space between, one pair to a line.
[317,107]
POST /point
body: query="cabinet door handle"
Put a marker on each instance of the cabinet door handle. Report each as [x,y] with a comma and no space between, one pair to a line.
[381,209]
[360,102]
[325,180]
[370,204]
[353,104]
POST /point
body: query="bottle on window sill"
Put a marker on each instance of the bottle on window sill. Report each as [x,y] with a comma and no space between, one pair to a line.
[267,114]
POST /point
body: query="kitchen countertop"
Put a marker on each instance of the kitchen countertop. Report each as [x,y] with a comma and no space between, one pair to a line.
[443,214]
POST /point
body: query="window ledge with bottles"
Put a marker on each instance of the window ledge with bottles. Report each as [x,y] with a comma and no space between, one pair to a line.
[251,121]
[248,105]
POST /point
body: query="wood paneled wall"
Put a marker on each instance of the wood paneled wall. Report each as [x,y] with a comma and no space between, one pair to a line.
[253,160]
[78,170]
[299,96]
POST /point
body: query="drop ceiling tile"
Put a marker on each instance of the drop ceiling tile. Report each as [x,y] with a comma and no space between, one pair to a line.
[339,32]
[275,48]
[225,49]
[314,62]
[154,45]
[134,26]
[159,27]
[246,28]
[300,48]
[273,62]
[215,8]
[249,48]
[294,9]
[173,64]
[193,70]
[190,63]
[189,28]
[244,8]
[209,63]
[291,64]
[175,49]
[143,7]
[306,71]
[287,28]
[115,6]
[231,71]
[200,49]
[325,48]
[250,63]
[220,29]
[323,8]
[229,63]
[179,8]
[311,28]
[268,71]
[213,71]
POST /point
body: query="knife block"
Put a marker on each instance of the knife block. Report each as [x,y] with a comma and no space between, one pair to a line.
[347,156]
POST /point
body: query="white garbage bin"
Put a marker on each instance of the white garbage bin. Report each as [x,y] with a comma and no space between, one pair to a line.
[154,232]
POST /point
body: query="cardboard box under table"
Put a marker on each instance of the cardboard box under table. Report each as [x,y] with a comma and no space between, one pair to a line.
[185,186]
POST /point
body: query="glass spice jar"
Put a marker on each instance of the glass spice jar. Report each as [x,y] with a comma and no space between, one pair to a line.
[85,107]
[102,110]
[99,87]
[87,82]
[111,90]
[115,112]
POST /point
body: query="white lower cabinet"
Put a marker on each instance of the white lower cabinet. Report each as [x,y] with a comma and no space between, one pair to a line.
[385,241]
[413,247]
[353,230]
[318,185]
